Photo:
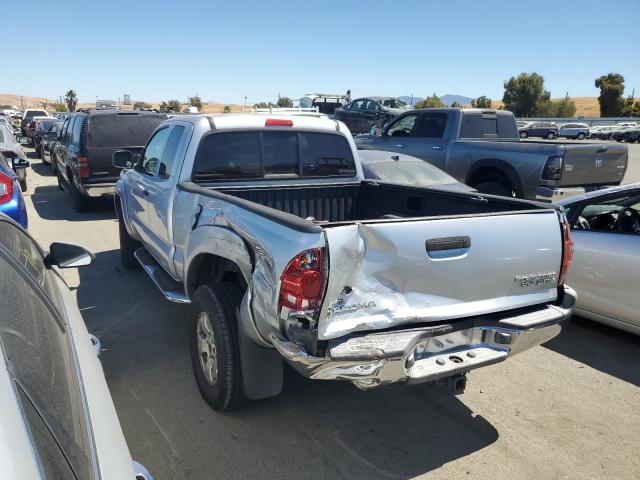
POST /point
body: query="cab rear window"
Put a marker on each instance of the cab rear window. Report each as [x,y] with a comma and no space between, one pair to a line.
[258,155]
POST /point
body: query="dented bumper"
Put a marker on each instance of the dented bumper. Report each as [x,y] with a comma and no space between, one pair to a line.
[431,352]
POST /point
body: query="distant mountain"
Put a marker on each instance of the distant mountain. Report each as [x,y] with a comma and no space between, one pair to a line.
[410,99]
[448,99]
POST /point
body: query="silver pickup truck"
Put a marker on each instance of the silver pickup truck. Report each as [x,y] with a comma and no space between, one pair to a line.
[266,229]
[482,149]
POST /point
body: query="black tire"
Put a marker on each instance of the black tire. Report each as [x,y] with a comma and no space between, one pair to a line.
[494,188]
[81,203]
[550,136]
[524,134]
[581,136]
[60,181]
[218,302]
[128,245]
[23,185]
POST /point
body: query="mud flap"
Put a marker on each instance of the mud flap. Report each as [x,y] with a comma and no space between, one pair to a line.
[262,375]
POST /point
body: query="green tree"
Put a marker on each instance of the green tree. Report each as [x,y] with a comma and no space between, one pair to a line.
[171,105]
[430,102]
[196,102]
[611,89]
[264,105]
[71,99]
[227,109]
[565,108]
[59,107]
[285,102]
[140,105]
[481,102]
[456,105]
[525,95]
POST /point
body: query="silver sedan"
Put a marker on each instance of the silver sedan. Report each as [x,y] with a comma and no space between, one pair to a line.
[606,266]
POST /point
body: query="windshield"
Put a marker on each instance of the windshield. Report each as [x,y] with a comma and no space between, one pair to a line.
[414,173]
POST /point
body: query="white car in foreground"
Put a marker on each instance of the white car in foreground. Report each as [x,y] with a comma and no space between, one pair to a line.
[606,265]
[57,419]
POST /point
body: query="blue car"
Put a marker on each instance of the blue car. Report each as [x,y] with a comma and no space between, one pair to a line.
[11,200]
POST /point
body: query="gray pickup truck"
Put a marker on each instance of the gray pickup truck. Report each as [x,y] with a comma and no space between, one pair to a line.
[266,229]
[482,149]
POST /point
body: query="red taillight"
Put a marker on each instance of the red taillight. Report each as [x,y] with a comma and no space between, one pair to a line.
[302,283]
[278,122]
[83,168]
[567,251]
[6,188]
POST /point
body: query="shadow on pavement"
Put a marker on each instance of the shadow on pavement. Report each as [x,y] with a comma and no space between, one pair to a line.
[313,429]
[599,346]
[41,168]
[51,203]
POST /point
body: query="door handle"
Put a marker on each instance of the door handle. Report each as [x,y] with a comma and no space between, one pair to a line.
[438,147]
[400,146]
[447,243]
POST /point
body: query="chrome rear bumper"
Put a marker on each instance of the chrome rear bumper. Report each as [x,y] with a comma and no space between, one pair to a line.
[429,353]
[551,194]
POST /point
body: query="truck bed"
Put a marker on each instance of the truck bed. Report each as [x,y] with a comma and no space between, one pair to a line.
[359,201]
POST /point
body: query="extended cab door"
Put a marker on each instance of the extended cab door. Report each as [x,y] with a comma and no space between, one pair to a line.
[161,186]
[420,135]
[140,184]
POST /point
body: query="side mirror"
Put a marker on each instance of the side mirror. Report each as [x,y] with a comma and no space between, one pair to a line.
[162,170]
[122,159]
[376,131]
[68,255]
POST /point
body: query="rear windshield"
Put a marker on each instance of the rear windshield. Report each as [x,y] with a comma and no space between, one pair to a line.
[35,113]
[490,126]
[417,173]
[276,154]
[119,130]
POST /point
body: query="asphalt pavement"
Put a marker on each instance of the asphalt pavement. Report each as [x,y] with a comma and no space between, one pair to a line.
[569,409]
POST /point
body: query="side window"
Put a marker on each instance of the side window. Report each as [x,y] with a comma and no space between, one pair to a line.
[52,459]
[169,154]
[153,151]
[358,105]
[67,134]
[77,130]
[36,345]
[65,126]
[614,215]
[432,125]
[404,127]
[372,106]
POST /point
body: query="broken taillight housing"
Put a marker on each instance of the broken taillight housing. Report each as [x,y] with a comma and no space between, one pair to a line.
[302,282]
[567,249]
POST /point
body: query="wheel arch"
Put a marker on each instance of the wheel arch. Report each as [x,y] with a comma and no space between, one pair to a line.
[482,169]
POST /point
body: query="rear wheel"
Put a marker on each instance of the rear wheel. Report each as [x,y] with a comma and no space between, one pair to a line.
[581,136]
[81,203]
[215,350]
[523,135]
[495,188]
[128,245]
[550,136]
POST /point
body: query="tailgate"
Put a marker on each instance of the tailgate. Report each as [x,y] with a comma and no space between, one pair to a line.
[101,163]
[387,274]
[593,164]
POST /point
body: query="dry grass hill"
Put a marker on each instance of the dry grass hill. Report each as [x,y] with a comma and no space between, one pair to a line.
[586,106]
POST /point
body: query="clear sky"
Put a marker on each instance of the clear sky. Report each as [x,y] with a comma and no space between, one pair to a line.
[224,50]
